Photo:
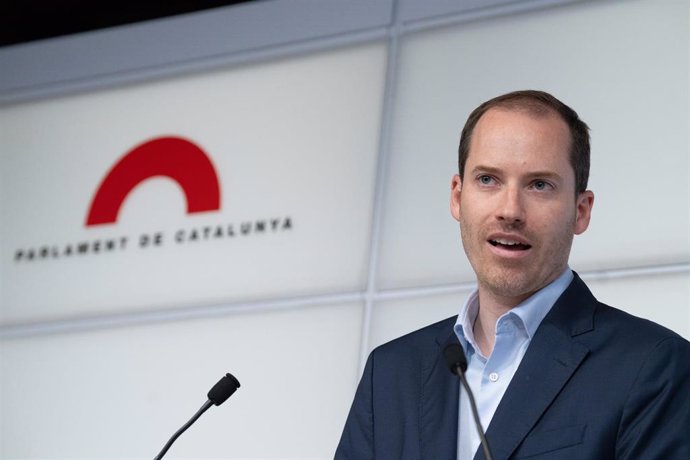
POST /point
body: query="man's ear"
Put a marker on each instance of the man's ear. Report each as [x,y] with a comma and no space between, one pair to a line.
[584,203]
[455,191]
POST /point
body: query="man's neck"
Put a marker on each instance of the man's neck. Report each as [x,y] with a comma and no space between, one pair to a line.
[491,307]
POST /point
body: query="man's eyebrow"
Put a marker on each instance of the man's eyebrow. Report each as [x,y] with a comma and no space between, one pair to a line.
[485,169]
[545,174]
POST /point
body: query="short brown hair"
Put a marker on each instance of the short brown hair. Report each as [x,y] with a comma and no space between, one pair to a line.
[540,103]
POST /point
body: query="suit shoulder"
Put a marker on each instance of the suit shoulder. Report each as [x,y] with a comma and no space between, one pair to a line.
[419,339]
[639,330]
[403,358]
[579,307]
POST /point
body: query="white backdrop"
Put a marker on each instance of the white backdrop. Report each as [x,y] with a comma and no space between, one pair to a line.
[354,136]
[290,139]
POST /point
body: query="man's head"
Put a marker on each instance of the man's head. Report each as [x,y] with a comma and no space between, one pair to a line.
[536,102]
[518,197]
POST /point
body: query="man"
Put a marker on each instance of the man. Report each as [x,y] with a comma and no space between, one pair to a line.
[556,374]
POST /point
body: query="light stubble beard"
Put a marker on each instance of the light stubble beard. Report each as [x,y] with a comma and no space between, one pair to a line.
[517,279]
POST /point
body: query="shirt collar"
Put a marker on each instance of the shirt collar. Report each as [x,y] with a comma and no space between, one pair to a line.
[530,312]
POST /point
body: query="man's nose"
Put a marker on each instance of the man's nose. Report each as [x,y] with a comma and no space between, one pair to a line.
[511,207]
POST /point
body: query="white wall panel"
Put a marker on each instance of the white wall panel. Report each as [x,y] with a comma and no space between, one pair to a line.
[122,393]
[293,138]
[622,65]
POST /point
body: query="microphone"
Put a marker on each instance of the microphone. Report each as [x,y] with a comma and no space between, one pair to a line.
[457,363]
[217,395]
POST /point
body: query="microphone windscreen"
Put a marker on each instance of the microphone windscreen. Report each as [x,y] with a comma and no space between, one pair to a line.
[455,357]
[223,389]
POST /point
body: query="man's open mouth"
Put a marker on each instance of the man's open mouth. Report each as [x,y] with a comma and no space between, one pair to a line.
[508,244]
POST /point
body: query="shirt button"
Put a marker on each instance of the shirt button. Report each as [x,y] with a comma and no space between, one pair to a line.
[493,377]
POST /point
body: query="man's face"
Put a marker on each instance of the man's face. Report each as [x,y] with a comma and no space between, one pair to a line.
[516,204]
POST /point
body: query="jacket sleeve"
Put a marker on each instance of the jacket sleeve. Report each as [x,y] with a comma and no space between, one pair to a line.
[655,424]
[357,440]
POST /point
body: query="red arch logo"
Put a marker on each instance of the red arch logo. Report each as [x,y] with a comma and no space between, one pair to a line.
[172,157]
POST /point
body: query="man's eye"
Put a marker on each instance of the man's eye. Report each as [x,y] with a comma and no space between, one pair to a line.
[541,185]
[485,180]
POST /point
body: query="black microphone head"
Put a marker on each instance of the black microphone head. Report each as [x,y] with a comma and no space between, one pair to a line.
[455,357]
[223,389]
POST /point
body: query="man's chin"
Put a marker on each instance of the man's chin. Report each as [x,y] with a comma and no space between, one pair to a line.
[506,286]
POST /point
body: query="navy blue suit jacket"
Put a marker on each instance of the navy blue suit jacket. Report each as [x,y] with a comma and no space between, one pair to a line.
[595,383]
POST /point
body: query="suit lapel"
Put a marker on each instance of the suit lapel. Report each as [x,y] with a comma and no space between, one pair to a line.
[438,403]
[548,364]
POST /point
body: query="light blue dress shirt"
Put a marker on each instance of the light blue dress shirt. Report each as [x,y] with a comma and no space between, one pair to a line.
[489,376]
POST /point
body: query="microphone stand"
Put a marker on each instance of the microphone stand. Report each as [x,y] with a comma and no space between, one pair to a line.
[457,363]
[217,395]
[475,413]
[177,434]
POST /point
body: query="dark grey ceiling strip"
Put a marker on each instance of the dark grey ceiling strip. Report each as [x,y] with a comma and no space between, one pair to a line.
[167,46]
